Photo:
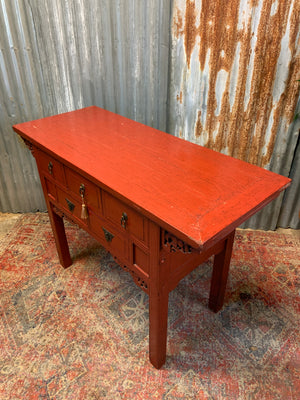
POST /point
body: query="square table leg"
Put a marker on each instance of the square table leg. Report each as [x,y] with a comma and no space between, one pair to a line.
[59,233]
[158,301]
[220,275]
[158,326]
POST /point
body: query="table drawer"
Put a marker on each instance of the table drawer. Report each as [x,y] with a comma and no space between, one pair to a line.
[111,238]
[75,182]
[140,258]
[50,188]
[50,166]
[69,204]
[124,217]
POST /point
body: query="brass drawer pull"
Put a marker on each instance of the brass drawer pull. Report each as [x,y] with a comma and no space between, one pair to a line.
[71,206]
[82,190]
[124,220]
[50,168]
[108,236]
[84,210]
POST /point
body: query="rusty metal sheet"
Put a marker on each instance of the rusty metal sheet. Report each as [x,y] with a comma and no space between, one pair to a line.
[233,83]
[290,211]
[235,66]
[219,73]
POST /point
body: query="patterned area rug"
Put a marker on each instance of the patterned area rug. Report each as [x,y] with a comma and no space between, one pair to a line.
[82,333]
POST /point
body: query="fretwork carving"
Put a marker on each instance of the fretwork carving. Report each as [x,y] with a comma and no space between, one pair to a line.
[174,244]
[137,279]
[28,144]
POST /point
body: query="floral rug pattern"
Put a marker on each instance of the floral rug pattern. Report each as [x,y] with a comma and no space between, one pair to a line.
[82,333]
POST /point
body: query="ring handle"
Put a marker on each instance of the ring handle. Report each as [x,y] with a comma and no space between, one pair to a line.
[82,190]
[50,167]
[124,220]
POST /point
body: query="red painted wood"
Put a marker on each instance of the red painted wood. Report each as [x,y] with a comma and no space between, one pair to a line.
[220,275]
[158,301]
[198,194]
[62,247]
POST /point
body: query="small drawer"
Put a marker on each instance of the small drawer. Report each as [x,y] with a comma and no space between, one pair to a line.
[50,188]
[124,216]
[111,238]
[91,191]
[68,203]
[50,166]
[140,259]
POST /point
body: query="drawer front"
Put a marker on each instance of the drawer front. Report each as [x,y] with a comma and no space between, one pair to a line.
[112,239]
[140,259]
[124,216]
[50,188]
[75,182]
[50,166]
[69,204]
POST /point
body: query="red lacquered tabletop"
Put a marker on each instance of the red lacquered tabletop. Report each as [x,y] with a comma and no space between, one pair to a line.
[199,194]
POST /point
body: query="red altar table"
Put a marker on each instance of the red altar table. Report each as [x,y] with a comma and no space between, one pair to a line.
[159,204]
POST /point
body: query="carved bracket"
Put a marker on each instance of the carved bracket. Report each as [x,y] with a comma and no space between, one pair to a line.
[173,244]
[28,144]
[136,278]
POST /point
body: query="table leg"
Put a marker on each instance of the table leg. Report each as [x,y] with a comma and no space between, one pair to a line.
[158,326]
[59,233]
[158,300]
[220,275]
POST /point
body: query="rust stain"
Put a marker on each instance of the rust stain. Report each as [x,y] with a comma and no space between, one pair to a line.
[179,97]
[288,100]
[190,29]
[242,130]
[271,30]
[199,126]
[178,24]
[218,33]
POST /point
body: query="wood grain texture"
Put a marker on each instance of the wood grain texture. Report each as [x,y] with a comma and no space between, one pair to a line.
[198,194]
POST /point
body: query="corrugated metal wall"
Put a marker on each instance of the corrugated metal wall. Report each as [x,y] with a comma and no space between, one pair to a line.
[290,212]
[234,71]
[219,73]
[60,55]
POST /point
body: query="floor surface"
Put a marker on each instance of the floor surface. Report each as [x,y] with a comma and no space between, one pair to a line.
[82,333]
